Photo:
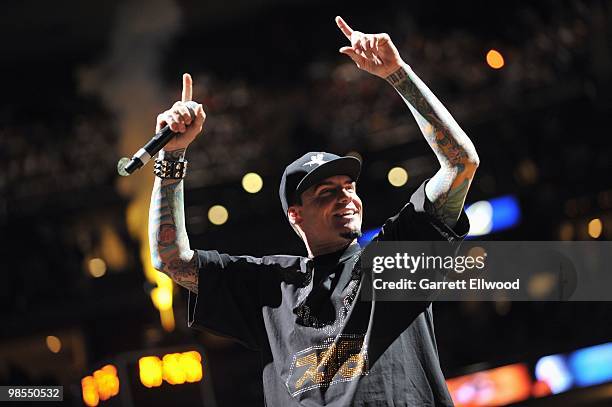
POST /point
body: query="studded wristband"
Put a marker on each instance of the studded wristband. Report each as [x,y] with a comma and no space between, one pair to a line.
[170,169]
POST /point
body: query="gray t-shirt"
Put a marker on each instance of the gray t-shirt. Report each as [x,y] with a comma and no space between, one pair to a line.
[320,344]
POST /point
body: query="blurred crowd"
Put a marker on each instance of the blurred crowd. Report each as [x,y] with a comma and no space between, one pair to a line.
[550,54]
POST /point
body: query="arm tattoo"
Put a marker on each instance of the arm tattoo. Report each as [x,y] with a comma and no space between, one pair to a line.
[455,152]
[168,239]
[448,206]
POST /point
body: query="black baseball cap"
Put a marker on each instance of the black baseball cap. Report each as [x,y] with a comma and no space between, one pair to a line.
[311,168]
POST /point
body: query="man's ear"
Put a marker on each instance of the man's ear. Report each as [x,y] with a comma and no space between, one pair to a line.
[295,215]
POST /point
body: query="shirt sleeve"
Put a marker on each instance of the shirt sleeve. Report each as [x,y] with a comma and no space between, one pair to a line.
[414,223]
[228,301]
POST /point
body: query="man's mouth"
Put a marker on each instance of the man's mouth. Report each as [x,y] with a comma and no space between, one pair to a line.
[345,214]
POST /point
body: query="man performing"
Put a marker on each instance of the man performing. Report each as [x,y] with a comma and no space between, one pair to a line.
[320,345]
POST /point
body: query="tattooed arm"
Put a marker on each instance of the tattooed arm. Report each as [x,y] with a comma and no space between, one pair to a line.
[448,188]
[168,239]
[376,54]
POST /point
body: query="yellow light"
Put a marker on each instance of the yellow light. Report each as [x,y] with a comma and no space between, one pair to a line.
[167,319]
[218,215]
[173,373]
[174,368]
[162,298]
[110,369]
[183,367]
[89,391]
[191,363]
[397,176]
[162,280]
[495,59]
[107,382]
[54,344]
[97,267]
[595,228]
[150,371]
[252,183]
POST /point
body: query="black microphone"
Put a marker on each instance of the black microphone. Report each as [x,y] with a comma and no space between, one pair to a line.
[125,166]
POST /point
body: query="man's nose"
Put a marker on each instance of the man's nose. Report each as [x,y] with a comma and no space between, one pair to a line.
[344,196]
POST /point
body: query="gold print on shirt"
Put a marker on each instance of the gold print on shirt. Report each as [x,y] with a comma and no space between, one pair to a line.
[353,366]
[339,361]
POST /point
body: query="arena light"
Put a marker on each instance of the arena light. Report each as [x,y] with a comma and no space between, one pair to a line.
[367,236]
[553,374]
[493,215]
[252,183]
[554,371]
[89,392]
[150,371]
[97,267]
[495,59]
[481,218]
[102,385]
[173,368]
[218,215]
[504,385]
[595,228]
[506,212]
[162,298]
[191,363]
[592,365]
[53,343]
[107,382]
[485,217]
[397,176]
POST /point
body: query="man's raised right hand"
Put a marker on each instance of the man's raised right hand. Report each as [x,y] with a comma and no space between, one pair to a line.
[179,119]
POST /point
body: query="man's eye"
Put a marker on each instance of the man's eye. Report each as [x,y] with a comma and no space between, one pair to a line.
[326,192]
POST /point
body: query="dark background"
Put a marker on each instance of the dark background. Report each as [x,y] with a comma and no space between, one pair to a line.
[82,83]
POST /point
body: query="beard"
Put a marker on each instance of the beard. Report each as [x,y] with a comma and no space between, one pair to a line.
[351,234]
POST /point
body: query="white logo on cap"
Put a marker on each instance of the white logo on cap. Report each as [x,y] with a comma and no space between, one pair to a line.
[315,159]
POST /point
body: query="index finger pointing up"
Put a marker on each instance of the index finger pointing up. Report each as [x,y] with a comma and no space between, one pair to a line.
[344,27]
[187,88]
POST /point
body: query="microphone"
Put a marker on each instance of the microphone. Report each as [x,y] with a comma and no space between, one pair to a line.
[127,166]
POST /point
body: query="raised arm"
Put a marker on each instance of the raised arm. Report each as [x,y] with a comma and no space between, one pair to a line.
[448,188]
[168,241]
[376,54]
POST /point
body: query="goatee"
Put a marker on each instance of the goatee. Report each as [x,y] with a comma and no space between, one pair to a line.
[353,234]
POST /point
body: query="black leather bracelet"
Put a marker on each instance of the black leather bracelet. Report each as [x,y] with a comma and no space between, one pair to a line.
[170,169]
